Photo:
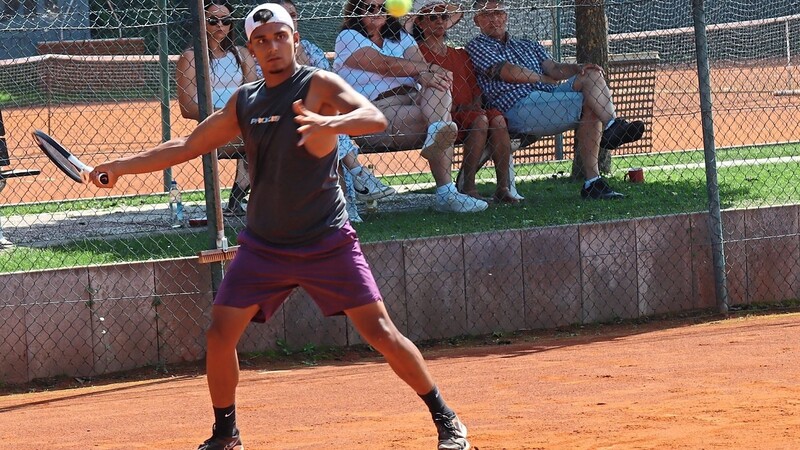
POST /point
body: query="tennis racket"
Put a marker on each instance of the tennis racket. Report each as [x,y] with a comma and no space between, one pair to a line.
[63,159]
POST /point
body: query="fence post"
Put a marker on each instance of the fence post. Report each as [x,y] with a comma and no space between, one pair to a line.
[709,149]
[558,57]
[163,66]
[210,171]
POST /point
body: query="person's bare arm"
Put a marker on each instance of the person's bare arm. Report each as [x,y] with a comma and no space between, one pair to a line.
[371,60]
[216,130]
[186,77]
[435,77]
[562,71]
[512,73]
[333,107]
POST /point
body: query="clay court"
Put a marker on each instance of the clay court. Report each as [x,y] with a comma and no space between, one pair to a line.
[746,112]
[699,384]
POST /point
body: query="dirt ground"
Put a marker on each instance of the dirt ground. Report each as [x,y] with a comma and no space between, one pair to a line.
[667,385]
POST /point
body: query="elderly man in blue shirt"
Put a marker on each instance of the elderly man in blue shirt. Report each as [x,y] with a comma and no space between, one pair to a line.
[542,97]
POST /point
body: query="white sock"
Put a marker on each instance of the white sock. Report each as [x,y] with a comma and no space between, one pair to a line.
[355,171]
[610,122]
[589,182]
[443,191]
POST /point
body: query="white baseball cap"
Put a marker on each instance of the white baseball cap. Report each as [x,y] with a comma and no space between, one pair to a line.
[425,7]
[267,13]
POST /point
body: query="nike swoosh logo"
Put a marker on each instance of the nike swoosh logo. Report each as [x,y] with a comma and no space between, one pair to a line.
[361,191]
[229,414]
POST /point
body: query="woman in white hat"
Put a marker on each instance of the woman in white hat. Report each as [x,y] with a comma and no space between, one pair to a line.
[376,56]
[478,127]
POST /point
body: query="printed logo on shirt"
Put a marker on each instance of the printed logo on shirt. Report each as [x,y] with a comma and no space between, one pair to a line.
[270,119]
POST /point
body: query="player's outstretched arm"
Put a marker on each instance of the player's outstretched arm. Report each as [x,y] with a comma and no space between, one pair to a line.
[215,131]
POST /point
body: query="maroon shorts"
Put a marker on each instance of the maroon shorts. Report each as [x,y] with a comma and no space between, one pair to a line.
[333,271]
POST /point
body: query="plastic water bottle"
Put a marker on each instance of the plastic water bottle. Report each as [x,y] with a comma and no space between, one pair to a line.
[175,205]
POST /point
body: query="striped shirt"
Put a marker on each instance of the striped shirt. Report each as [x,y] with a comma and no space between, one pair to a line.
[486,52]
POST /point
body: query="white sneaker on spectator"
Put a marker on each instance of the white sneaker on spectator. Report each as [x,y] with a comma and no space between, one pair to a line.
[460,203]
[512,185]
[5,243]
[441,136]
[369,187]
[512,189]
[352,212]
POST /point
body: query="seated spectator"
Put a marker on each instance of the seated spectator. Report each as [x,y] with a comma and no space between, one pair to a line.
[519,78]
[382,62]
[477,126]
[231,66]
[361,184]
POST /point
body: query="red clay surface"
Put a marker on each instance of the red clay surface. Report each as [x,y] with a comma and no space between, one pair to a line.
[728,384]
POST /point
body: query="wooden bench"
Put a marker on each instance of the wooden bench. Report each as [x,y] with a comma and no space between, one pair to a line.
[631,78]
[6,174]
[632,81]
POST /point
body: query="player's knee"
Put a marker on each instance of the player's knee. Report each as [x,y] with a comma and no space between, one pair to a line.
[217,338]
[385,339]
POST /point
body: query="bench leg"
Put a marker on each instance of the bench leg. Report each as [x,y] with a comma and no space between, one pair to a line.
[4,243]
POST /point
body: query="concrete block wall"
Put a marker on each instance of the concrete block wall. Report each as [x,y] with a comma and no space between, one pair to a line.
[94,320]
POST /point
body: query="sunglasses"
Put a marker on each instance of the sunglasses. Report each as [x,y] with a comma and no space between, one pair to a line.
[374,9]
[226,21]
[444,17]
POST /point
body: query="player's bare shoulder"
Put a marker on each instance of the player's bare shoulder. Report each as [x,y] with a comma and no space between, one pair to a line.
[331,90]
[322,93]
[325,82]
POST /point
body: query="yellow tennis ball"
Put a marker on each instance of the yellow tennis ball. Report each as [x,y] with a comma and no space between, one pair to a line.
[398,8]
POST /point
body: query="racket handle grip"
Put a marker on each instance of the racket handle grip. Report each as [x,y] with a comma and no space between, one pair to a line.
[103,177]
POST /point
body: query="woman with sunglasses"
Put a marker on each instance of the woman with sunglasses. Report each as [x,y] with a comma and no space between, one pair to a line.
[382,62]
[231,66]
[479,128]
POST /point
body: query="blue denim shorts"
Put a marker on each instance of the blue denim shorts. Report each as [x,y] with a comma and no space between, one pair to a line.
[547,113]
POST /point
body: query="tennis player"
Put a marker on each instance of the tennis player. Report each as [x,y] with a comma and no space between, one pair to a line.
[289,122]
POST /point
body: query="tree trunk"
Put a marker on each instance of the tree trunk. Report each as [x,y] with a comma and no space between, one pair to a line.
[591,33]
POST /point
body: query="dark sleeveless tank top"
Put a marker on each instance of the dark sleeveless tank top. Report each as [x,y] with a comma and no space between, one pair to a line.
[295,198]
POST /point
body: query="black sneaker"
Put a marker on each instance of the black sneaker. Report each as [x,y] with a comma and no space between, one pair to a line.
[452,433]
[621,132]
[600,190]
[216,442]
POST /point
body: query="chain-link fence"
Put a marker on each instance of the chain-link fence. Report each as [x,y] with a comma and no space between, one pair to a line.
[96,281]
